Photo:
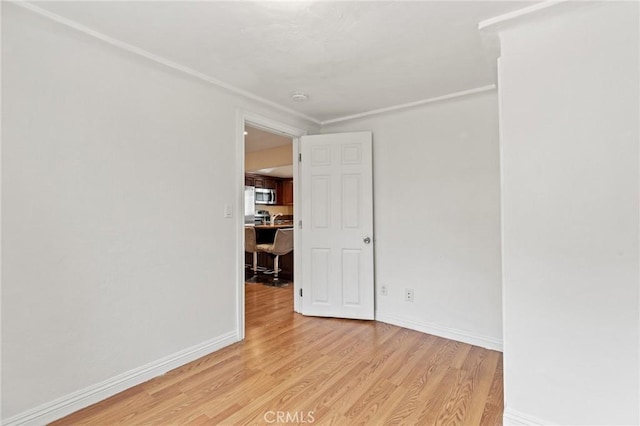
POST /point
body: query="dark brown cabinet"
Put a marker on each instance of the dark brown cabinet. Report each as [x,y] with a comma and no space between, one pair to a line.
[285,195]
[270,183]
[283,187]
[258,181]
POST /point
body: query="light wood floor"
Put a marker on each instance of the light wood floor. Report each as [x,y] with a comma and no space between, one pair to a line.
[330,371]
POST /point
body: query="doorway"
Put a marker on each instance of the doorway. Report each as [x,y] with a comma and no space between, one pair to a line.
[268,207]
[267,154]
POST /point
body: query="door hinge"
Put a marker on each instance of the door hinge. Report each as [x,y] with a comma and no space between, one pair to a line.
[300,224]
[300,292]
[300,158]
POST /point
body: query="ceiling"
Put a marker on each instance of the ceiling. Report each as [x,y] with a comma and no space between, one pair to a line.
[257,139]
[348,57]
[280,171]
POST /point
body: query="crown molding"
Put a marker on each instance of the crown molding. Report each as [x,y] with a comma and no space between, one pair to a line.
[155,58]
[412,104]
[516,14]
[539,10]
[246,94]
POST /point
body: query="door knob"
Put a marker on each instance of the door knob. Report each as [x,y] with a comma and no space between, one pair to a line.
[367,240]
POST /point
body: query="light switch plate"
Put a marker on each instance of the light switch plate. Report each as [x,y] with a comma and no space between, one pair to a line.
[228,210]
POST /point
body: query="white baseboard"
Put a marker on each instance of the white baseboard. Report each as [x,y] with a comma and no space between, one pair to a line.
[512,417]
[441,331]
[75,401]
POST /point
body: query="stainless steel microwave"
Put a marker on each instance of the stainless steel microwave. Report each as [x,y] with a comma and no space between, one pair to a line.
[265,196]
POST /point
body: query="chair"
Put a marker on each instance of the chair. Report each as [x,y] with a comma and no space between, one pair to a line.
[251,247]
[282,244]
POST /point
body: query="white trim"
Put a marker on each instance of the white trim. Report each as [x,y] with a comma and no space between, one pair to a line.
[411,104]
[1,214]
[75,401]
[297,241]
[512,417]
[516,14]
[204,77]
[239,207]
[268,124]
[155,58]
[271,125]
[442,331]
[535,12]
[506,359]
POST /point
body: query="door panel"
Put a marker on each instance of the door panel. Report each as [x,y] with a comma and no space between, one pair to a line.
[320,201]
[351,201]
[337,222]
[320,276]
[351,266]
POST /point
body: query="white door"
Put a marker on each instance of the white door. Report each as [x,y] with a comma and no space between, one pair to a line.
[337,225]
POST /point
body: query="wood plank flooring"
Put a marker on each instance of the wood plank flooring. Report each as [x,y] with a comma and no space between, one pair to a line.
[293,369]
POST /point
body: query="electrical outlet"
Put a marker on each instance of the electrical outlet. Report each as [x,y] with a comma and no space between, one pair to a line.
[383,290]
[408,295]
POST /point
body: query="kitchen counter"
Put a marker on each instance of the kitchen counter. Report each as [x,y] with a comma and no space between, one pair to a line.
[271,226]
[265,234]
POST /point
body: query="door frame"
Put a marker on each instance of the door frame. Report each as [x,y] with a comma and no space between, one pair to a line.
[244,117]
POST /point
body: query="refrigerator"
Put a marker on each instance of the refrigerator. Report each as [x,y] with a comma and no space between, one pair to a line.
[249,205]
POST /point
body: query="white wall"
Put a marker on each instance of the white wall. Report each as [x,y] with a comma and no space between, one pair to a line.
[114,174]
[569,123]
[437,217]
